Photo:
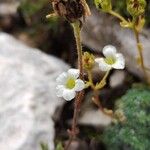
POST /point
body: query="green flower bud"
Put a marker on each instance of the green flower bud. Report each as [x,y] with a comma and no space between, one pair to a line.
[88,61]
[104,5]
[136,7]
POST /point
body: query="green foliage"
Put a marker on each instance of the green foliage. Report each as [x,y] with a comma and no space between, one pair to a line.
[134,133]
[44,146]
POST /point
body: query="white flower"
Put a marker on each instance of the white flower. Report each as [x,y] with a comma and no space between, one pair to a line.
[68,84]
[112,59]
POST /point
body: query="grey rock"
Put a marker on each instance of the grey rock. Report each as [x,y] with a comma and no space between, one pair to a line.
[8,7]
[94,118]
[101,29]
[90,115]
[117,78]
[77,145]
[27,95]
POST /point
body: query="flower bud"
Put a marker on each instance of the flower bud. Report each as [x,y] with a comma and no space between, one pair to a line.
[88,61]
[136,7]
[104,5]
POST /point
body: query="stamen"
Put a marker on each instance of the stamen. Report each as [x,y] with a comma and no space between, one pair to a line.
[70,83]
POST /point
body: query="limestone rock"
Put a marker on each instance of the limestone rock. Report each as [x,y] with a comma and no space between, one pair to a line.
[9,7]
[90,115]
[27,91]
[95,118]
[117,78]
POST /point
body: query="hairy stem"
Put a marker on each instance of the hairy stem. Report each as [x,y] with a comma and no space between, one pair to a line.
[97,102]
[74,131]
[96,99]
[96,88]
[90,79]
[102,83]
[117,15]
[77,34]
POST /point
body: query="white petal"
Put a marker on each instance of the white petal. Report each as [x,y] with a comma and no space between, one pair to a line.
[102,64]
[59,90]
[73,73]
[109,51]
[120,62]
[68,94]
[61,79]
[79,85]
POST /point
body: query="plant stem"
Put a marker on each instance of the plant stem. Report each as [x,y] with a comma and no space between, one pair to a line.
[79,96]
[117,15]
[139,45]
[98,103]
[96,88]
[102,83]
[90,79]
[95,99]
[140,51]
[74,131]
[77,34]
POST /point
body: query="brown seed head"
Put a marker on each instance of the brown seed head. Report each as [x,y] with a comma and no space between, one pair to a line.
[72,10]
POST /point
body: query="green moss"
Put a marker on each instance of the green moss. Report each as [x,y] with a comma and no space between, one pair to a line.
[134,133]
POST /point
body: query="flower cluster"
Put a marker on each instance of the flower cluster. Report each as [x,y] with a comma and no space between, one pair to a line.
[68,83]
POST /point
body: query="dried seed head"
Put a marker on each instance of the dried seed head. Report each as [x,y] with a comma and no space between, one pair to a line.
[72,10]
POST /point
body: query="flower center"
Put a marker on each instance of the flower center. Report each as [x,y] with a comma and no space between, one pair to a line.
[70,83]
[110,60]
